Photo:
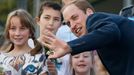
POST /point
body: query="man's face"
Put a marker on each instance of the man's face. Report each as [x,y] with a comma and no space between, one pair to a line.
[50,19]
[76,19]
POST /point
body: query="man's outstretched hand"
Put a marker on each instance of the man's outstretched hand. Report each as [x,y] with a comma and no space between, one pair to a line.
[59,47]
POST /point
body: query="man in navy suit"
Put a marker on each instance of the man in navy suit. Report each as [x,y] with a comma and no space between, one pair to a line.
[111,35]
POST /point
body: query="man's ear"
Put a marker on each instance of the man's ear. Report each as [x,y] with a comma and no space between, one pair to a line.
[37,19]
[89,11]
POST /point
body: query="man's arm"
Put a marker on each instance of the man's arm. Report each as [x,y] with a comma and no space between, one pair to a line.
[102,35]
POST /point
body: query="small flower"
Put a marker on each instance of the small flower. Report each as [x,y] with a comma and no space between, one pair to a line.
[48,52]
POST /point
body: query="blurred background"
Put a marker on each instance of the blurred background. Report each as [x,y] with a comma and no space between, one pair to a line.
[6,6]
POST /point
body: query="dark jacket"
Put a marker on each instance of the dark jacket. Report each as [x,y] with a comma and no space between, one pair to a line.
[113,38]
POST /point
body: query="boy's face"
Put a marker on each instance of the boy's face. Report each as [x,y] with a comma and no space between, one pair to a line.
[50,19]
[76,19]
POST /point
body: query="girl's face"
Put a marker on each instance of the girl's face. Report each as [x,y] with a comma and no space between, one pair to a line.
[82,62]
[50,19]
[18,34]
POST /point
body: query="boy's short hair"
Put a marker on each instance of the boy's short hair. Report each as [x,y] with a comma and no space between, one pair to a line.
[50,4]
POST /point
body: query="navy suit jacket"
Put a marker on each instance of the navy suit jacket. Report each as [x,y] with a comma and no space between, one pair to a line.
[113,38]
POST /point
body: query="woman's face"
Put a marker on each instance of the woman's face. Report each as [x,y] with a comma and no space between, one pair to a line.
[82,62]
[18,34]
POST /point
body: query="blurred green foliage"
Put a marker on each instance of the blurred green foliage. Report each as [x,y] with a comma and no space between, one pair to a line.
[5,7]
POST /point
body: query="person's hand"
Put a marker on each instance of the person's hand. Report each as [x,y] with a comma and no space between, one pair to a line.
[51,67]
[59,47]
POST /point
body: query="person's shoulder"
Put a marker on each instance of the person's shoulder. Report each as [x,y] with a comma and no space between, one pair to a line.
[104,14]
[97,16]
[37,47]
[3,55]
[127,11]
